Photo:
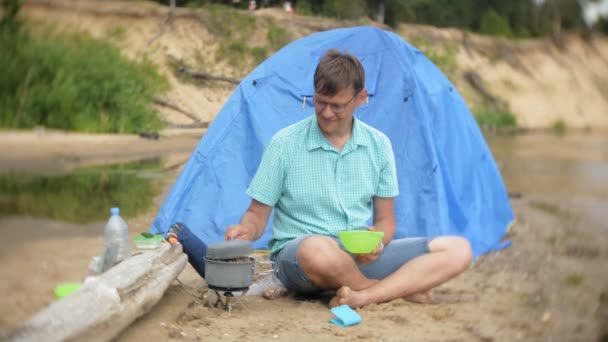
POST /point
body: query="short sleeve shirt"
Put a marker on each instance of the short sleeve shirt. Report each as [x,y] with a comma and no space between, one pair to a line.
[316,189]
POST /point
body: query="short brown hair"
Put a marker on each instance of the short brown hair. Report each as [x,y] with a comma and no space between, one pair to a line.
[337,71]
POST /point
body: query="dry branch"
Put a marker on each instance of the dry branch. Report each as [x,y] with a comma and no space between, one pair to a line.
[476,82]
[204,75]
[163,23]
[163,101]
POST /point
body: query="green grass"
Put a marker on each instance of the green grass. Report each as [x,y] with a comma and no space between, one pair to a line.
[233,52]
[444,57]
[489,118]
[559,127]
[117,33]
[74,82]
[259,54]
[574,279]
[227,23]
[233,28]
[278,37]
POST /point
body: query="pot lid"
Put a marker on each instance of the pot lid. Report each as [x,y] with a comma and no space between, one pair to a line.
[229,249]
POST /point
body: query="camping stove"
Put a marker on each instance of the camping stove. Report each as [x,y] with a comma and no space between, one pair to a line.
[224,299]
[228,271]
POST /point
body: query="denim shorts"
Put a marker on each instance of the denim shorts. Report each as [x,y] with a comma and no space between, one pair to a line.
[394,255]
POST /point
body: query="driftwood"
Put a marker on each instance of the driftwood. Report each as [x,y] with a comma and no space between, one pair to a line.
[167,103]
[107,304]
[204,75]
[187,126]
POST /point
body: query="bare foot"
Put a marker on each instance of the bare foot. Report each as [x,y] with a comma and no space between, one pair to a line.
[274,292]
[346,296]
[425,297]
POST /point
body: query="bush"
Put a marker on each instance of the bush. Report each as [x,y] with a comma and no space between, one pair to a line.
[74,82]
[486,117]
[558,127]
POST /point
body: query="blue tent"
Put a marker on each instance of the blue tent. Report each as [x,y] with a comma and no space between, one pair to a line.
[448,179]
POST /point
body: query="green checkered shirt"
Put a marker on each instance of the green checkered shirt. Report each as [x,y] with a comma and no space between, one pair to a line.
[315,189]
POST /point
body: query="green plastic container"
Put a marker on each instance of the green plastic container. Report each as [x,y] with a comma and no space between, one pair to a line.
[360,241]
[65,289]
[148,241]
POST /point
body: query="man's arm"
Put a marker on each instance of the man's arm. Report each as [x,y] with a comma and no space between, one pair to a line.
[253,223]
[384,221]
[384,217]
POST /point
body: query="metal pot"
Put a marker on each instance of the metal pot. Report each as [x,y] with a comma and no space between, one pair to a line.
[229,274]
[227,266]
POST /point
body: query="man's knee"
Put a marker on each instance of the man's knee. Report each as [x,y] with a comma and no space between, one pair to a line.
[318,254]
[459,249]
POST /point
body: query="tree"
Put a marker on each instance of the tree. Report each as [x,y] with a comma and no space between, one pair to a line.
[601,24]
[495,24]
[345,9]
[564,14]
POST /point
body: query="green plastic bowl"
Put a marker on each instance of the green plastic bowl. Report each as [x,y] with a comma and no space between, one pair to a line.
[360,241]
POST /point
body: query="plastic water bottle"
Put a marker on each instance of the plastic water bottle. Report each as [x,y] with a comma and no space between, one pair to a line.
[117,236]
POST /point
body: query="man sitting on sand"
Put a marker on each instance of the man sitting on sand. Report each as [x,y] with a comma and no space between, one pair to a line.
[326,174]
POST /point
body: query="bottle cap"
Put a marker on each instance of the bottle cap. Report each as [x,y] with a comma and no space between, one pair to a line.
[114,211]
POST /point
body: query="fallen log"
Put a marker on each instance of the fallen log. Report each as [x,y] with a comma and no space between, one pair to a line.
[105,305]
[187,126]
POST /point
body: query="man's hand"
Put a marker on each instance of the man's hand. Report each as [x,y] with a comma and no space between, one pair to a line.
[240,232]
[252,223]
[368,258]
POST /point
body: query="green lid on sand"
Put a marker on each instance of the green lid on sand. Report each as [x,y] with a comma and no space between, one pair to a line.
[65,289]
[148,240]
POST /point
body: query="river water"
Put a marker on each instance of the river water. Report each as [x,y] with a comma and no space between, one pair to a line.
[572,168]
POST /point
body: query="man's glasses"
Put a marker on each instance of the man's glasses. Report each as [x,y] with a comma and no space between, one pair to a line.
[337,108]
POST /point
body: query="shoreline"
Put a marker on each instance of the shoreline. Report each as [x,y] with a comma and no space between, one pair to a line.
[55,151]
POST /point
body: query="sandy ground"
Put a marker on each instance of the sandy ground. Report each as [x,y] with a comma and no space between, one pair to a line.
[547,286]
